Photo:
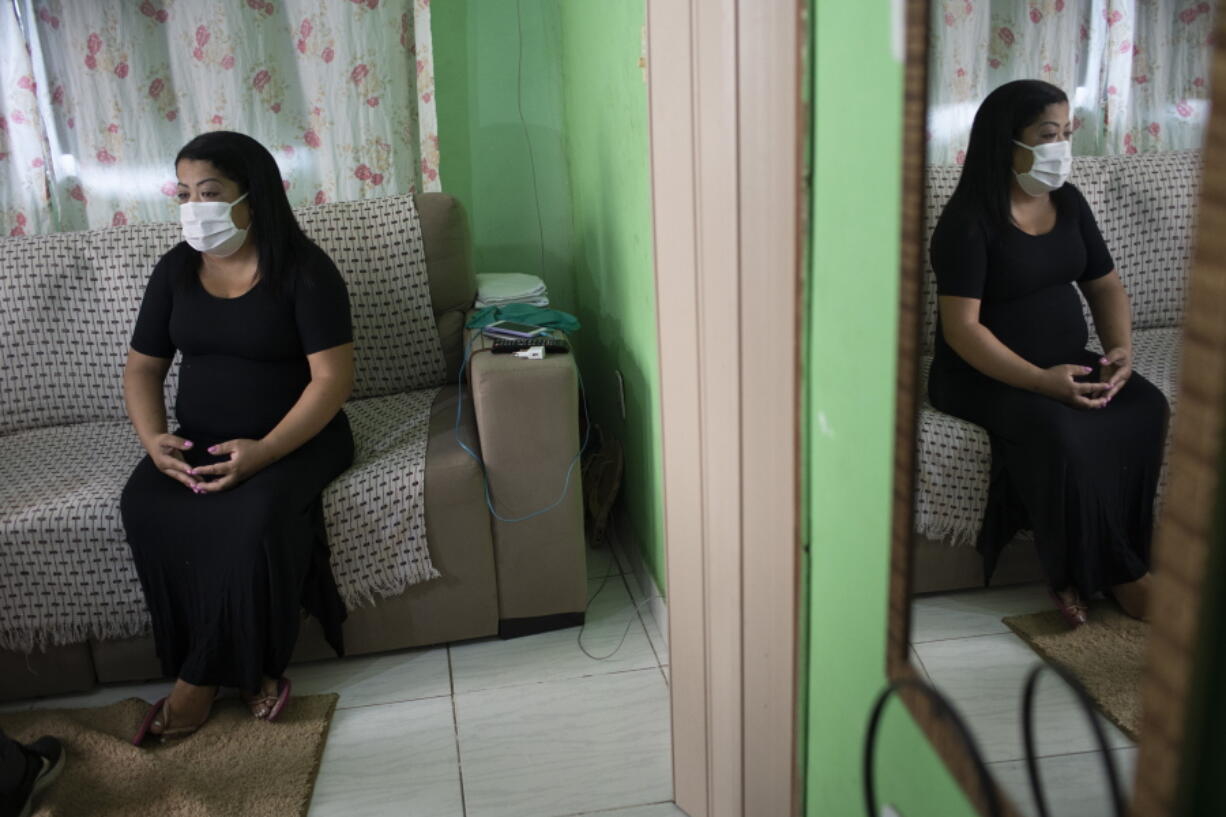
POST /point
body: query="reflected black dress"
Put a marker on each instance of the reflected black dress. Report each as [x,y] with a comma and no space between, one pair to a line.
[226,575]
[1083,480]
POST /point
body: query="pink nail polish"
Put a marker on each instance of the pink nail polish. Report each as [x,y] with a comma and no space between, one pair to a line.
[187,443]
[213,450]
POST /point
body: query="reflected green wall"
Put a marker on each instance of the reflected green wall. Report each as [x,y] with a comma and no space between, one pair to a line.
[851,335]
[585,104]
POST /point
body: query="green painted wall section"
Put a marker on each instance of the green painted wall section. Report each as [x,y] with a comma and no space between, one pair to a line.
[608,152]
[500,134]
[851,335]
[577,78]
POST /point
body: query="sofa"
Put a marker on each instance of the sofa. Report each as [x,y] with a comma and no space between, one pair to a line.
[71,611]
[1145,205]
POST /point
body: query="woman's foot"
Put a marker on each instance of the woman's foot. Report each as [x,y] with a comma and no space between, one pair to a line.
[264,702]
[1071,607]
[184,711]
[1133,597]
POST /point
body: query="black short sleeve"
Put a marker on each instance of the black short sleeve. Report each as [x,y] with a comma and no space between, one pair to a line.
[959,254]
[321,305]
[1098,258]
[151,336]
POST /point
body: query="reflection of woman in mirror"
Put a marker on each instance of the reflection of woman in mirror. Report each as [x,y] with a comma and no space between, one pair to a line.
[1077,436]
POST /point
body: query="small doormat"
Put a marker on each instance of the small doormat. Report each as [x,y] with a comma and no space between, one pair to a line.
[233,765]
[1106,655]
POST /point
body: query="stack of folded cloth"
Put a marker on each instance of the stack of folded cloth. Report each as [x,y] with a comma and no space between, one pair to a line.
[502,288]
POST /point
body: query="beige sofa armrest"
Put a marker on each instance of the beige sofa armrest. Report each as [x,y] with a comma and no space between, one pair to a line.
[528,423]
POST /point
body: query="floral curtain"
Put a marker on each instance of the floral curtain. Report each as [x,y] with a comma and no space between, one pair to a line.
[99,96]
[1135,71]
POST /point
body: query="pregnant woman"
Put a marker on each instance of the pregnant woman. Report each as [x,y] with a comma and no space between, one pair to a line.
[1077,436]
[223,516]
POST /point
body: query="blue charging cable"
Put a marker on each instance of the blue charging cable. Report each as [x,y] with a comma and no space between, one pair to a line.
[489,500]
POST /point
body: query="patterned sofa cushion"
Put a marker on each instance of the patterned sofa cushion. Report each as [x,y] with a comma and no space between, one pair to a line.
[65,565]
[68,302]
[1145,206]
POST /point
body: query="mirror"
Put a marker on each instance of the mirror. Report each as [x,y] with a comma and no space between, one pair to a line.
[1005,479]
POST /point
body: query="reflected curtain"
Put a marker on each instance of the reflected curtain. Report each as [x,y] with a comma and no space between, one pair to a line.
[1135,71]
[98,97]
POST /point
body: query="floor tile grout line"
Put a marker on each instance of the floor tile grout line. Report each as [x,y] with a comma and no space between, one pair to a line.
[617,808]
[966,637]
[1022,759]
[568,679]
[389,703]
[455,726]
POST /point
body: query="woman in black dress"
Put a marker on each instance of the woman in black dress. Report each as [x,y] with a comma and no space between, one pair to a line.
[1077,437]
[223,516]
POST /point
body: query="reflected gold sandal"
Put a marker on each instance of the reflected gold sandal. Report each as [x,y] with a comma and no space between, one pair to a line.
[1074,613]
[269,707]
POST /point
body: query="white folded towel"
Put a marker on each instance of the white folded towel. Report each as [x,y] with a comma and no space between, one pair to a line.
[496,288]
[480,304]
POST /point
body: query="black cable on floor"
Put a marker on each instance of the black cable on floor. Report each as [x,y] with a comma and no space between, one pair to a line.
[944,709]
[1032,763]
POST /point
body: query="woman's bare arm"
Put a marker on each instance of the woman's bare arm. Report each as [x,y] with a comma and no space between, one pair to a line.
[143,376]
[1112,313]
[1113,321]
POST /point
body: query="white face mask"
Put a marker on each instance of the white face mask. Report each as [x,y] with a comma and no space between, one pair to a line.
[1052,163]
[208,226]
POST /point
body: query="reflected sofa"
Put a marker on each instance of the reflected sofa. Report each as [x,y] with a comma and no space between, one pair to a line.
[1145,205]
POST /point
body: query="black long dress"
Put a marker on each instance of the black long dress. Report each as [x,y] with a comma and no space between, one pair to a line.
[226,575]
[1083,480]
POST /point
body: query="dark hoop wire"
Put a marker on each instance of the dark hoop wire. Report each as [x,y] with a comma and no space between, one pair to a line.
[944,709]
[1032,763]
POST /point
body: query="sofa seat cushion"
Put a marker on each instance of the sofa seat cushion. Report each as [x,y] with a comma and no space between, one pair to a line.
[65,568]
[955,456]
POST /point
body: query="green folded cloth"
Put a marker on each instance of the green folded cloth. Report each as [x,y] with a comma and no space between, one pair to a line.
[524,313]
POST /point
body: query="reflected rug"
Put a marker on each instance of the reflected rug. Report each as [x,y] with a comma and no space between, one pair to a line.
[1106,655]
[235,765]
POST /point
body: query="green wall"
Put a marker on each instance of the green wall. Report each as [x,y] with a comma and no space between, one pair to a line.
[851,335]
[499,166]
[608,153]
[585,104]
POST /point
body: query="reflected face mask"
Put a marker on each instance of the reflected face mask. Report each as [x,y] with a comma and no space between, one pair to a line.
[1052,163]
[209,227]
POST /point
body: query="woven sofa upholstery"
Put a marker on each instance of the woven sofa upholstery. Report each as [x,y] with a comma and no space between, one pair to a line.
[1145,206]
[62,401]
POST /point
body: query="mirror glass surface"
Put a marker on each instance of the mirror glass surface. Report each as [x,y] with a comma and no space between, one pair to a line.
[1019,478]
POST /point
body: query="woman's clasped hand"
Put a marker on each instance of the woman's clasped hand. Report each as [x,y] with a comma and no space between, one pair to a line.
[246,458]
[1060,382]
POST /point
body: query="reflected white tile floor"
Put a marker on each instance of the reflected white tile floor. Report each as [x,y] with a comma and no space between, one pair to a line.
[972,656]
[493,728]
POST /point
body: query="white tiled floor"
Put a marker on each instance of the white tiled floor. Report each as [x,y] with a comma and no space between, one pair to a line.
[961,644]
[492,728]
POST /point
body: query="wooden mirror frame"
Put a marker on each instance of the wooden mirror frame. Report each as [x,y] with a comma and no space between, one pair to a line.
[1182,537]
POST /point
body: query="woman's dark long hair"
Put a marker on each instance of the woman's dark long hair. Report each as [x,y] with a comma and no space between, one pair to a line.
[279,239]
[988,170]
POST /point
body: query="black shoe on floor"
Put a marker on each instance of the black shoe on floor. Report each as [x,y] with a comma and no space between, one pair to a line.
[50,753]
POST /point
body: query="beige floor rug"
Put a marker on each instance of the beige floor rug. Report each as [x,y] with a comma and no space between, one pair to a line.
[1106,655]
[235,766]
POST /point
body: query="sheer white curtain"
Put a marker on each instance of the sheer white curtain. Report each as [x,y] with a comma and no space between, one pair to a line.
[99,96]
[1136,71]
